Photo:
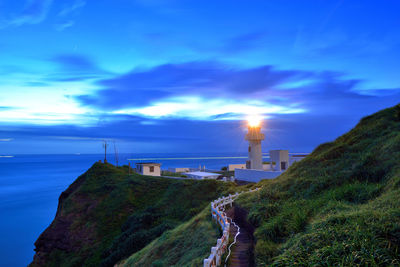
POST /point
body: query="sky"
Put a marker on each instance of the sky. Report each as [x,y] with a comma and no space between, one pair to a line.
[158,76]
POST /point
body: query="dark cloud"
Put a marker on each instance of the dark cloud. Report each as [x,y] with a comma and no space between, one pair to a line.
[207,79]
[312,91]
[74,62]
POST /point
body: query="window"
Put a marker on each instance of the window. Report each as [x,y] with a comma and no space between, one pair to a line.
[151,168]
[283,165]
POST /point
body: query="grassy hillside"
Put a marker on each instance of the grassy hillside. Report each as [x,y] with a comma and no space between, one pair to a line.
[187,245]
[339,206]
[106,215]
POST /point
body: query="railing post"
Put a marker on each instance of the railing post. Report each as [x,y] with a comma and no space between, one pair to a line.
[217,212]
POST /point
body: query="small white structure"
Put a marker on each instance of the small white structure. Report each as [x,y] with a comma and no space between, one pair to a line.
[202,175]
[178,170]
[267,167]
[281,159]
[232,167]
[149,168]
[254,136]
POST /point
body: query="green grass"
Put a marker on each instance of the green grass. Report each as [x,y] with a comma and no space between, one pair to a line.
[187,245]
[340,206]
[114,215]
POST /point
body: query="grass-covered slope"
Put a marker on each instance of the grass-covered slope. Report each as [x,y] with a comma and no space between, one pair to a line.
[187,245]
[338,206]
[107,215]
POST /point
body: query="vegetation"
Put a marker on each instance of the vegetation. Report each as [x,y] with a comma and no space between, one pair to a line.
[113,215]
[339,206]
[187,245]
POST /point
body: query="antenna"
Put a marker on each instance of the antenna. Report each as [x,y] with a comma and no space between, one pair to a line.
[105,150]
[115,153]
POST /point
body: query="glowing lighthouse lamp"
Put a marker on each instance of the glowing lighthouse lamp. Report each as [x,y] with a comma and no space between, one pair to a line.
[254,136]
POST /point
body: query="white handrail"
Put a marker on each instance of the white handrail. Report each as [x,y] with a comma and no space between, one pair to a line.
[234,241]
[217,212]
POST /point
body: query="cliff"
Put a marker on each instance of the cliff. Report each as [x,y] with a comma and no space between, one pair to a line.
[106,215]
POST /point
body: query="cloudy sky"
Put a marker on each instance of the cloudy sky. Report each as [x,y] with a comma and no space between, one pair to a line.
[181,76]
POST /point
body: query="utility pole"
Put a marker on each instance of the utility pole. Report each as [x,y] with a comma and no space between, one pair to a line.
[105,150]
[115,154]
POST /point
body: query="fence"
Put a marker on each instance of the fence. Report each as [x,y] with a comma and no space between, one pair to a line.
[218,213]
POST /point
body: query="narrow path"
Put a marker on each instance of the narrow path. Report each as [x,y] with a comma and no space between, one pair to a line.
[242,251]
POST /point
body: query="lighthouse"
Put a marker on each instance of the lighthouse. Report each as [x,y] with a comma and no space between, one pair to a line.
[254,136]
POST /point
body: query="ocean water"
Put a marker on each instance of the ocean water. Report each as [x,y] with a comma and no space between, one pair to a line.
[31,184]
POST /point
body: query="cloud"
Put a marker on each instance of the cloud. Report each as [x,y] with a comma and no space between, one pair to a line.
[75,67]
[6,108]
[205,79]
[215,91]
[72,9]
[6,139]
[65,25]
[74,62]
[34,12]
[36,84]
[243,42]
[297,132]
[68,13]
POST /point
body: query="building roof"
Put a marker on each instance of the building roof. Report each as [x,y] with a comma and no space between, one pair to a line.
[202,174]
[148,163]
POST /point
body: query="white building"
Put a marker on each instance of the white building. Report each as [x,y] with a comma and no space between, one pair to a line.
[232,167]
[149,168]
[255,169]
[202,175]
[281,159]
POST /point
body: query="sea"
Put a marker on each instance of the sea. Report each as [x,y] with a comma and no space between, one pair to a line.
[31,184]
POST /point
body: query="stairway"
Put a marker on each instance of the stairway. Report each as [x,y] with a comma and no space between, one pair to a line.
[240,251]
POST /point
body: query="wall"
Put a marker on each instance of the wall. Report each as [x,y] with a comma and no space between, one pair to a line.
[255,155]
[232,167]
[279,156]
[255,175]
[146,171]
[179,170]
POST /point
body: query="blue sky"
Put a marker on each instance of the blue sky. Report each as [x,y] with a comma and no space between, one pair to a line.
[181,76]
